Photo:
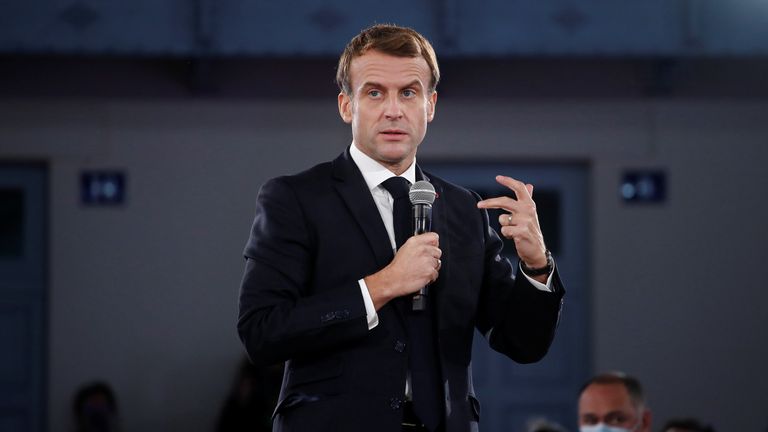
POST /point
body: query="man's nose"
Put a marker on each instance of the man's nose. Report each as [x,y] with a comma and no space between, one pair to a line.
[393,108]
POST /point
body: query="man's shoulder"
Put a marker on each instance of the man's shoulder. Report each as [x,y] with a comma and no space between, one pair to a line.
[314,175]
[448,188]
[340,165]
[310,175]
[311,183]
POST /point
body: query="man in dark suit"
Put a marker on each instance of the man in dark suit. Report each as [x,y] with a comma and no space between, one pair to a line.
[329,276]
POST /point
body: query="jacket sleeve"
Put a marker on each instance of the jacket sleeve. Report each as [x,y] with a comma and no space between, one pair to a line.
[281,314]
[518,319]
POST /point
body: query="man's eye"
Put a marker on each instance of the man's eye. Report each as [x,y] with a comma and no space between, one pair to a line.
[615,420]
[374,93]
[409,93]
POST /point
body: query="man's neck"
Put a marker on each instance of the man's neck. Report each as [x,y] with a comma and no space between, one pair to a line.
[375,172]
[396,168]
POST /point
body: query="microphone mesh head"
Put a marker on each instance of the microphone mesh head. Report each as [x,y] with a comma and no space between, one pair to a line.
[422,192]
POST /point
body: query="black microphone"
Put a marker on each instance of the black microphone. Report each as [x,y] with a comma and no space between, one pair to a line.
[422,195]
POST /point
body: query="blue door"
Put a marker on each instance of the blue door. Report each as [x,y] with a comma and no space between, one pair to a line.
[512,395]
[22,298]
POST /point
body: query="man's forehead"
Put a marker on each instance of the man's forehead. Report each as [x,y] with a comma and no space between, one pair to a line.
[380,68]
[607,396]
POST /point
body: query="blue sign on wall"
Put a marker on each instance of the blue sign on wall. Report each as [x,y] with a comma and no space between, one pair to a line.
[102,188]
[643,187]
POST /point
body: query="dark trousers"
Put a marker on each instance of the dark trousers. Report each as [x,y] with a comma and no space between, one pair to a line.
[411,422]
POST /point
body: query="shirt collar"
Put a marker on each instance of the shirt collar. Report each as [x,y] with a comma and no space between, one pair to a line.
[375,173]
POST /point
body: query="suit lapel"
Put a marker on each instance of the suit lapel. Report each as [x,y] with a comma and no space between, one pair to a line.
[354,191]
[439,222]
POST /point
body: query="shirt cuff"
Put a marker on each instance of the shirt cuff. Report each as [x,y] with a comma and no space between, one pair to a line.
[370,310]
[536,284]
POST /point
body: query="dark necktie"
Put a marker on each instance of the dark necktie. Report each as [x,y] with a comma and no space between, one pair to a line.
[399,187]
[422,355]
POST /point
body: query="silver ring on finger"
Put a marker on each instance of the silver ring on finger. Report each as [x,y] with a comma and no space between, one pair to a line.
[509,219]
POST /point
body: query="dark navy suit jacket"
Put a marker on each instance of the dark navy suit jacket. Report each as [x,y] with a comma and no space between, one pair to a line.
[315,234]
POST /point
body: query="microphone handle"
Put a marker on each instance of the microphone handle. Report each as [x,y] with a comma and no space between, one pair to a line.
[422,218]
[422,223]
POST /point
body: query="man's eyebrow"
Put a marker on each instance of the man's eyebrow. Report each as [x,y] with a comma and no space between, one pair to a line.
[414,83]
[369,84]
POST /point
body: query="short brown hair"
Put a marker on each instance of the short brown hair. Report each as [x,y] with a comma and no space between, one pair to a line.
[388,39]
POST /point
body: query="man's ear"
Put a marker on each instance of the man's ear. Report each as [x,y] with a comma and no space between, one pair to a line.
[345,107]
[647,419]
[431,102]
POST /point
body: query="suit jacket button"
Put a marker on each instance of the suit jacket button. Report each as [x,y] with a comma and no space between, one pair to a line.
[399,346]
[395,403]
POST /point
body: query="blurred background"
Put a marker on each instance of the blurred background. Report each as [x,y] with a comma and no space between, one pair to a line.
[134,137]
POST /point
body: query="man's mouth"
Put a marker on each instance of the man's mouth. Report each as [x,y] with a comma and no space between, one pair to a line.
[393,132]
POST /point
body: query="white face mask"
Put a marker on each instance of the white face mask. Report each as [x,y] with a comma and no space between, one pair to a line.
[602,427]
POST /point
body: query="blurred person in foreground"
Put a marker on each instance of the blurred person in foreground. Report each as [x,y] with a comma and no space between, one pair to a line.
[251,400]
[95,408]
[613,402]
[332,266]
[686,425]
[544,425]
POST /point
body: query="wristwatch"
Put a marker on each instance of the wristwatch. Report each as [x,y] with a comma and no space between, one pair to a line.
[547,269]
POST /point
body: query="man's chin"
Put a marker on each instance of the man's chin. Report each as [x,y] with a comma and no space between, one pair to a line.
[396,156]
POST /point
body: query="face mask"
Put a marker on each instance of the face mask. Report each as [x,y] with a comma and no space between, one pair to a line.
[602,427]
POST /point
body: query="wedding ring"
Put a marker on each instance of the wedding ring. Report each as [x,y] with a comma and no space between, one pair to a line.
[509,219]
